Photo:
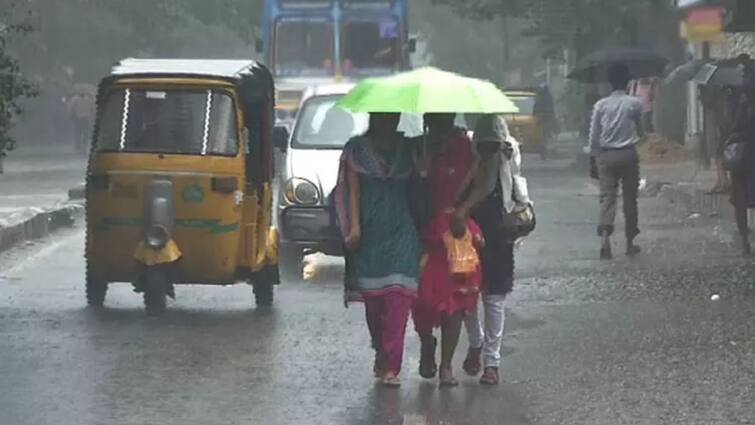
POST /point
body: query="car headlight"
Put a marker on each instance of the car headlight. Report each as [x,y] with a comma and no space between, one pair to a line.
[156,236]
[300,191]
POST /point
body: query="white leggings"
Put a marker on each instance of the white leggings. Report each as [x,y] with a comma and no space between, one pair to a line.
[485,329]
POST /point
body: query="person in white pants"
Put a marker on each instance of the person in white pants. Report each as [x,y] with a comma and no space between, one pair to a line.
[497,189]
[485,330]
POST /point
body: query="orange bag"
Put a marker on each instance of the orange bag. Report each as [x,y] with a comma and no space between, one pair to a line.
[462,255]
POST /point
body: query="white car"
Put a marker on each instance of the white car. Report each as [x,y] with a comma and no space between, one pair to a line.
[310,170]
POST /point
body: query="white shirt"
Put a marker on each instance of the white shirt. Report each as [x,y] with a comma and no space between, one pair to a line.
[614,122]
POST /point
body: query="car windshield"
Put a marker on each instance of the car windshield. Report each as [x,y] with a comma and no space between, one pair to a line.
[526,104]
[168,121]
[370,47]
[323,125]
[304,48]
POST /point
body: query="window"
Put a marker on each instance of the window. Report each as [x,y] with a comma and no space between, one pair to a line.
[323,125]
[526,104]
[168,121]
[370,47]
[304,48]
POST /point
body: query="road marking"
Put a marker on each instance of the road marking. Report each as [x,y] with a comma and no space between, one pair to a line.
[45,252]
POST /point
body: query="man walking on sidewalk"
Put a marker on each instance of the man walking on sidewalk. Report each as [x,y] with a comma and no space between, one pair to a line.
[615,130]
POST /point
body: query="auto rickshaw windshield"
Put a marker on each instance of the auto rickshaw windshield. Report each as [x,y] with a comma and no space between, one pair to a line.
[526,104]
[200,122]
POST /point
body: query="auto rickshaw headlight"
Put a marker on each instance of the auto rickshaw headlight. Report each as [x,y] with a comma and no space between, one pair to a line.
[303,192]
[156,236]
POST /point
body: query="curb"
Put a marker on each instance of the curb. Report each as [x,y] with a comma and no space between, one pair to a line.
[36,223]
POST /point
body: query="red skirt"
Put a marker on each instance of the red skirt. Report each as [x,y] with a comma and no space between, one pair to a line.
[440,294]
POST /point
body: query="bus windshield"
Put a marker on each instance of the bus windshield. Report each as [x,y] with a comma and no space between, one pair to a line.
[370,47]
[304,48]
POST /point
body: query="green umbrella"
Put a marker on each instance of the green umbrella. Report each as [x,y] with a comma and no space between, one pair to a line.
[427,90]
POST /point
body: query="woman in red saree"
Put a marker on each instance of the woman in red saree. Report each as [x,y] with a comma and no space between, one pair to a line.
[443,299]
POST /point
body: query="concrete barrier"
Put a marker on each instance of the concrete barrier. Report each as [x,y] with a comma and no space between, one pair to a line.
[36,223]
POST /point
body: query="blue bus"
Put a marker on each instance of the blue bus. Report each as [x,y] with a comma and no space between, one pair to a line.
[335,39]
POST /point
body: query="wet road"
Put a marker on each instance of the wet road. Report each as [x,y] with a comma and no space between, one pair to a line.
[627,342]
[40,178]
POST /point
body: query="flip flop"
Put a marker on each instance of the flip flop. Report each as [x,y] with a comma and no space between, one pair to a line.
[391,381]
[448,382]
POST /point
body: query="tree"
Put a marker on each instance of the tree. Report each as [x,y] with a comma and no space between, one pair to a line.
[78,41]
[585,25]
[484,49]
[13,85]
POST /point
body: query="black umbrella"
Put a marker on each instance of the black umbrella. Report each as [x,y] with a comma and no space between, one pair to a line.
[726,73]
[685,72]
[641,63]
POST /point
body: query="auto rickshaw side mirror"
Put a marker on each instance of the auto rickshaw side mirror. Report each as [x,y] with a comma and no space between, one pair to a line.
[280,138]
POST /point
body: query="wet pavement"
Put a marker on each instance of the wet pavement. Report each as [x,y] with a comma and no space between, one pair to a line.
[627,342]
[39,177]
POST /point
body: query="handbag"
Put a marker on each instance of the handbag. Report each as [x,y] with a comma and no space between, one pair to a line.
[521,220]
[734,156]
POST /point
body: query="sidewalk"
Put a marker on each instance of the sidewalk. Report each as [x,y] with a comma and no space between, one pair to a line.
[34,192]
[39,178]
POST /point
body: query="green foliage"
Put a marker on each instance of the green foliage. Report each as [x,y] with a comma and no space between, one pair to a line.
[13,85]
[582,25]
[482,49]
[76,42]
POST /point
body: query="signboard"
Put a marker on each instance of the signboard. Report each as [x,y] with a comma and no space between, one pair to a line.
[704,24]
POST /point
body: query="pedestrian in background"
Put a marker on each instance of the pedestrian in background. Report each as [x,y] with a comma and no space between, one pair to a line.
[615,129]
[645,89]
[743,176]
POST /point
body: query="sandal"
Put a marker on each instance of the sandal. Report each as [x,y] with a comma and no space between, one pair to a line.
[447,379]
[427,366]
[490,377]
[390,380]
[472,365]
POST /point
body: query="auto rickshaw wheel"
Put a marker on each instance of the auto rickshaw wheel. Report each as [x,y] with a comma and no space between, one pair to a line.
[156,286]
[264,293]
[96,290]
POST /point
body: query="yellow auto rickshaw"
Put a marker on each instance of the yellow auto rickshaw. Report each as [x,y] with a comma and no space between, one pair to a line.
[179,179]
[532,126]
